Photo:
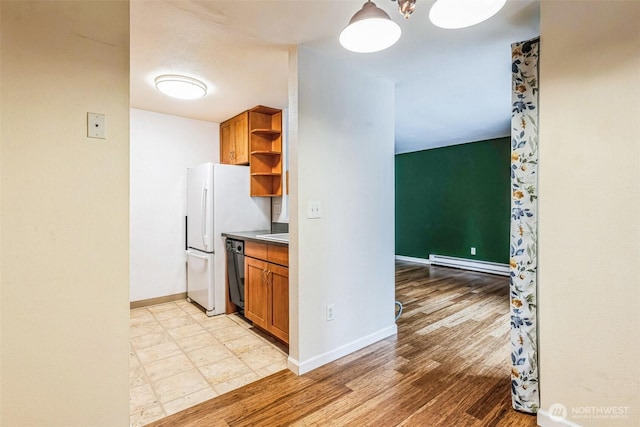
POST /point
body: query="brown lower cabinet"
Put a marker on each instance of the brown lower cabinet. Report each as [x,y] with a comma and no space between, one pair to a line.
[267,288]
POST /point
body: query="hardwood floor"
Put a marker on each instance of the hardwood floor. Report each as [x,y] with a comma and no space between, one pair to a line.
[448,366]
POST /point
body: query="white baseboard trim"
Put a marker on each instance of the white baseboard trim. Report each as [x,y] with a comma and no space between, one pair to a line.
[545,420]
[303,367]
[293,365]
[470,264]
[157,300]
[412,259]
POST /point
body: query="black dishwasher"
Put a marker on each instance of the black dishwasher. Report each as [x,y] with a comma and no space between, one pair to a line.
[235,271]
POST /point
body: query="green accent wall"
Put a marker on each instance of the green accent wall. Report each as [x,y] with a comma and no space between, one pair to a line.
[453,198]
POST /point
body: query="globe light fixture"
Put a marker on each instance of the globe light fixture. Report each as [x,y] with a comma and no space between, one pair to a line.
[452,14]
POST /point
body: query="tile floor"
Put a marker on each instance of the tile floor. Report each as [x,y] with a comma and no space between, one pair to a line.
[179,357]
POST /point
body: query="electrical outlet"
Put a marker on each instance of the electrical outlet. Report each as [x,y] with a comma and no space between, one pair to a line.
[330,312]
[277,208]
[473,251]
[314,210]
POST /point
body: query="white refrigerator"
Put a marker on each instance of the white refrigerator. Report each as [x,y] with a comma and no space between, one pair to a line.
[217,201]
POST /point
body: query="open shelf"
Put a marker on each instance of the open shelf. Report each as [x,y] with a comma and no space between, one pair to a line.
[266,153]
[265,110]
[271,132]
[265,135]
[266,184]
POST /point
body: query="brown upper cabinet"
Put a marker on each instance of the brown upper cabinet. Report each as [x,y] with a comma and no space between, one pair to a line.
[234,144]
[255,138]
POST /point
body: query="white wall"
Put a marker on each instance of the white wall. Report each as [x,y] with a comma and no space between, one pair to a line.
[341,154]
[162,147]
[589,247]
[65,214]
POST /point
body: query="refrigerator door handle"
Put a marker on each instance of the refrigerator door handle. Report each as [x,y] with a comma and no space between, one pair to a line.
[198,256]
[203,218]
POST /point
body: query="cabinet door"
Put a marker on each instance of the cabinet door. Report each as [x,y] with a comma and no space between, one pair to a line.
[241,140]
[279,302]
[255,292]
[226,144]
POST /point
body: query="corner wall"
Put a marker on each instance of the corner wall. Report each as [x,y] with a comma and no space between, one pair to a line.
[342,155]
[589,206]
[65,214]
[162,147]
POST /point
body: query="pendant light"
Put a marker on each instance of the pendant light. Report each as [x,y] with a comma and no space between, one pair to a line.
[181,87]
[453,14]
[370,30]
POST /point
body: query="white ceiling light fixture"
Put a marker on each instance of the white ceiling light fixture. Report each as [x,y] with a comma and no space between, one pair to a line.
[452,14]
[181,87]
[370,30]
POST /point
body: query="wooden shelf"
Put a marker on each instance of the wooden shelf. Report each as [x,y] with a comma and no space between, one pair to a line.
[266,153]
[265,135]
[266,184]
[269,195]
[254,137]
[272,132]
[265,110]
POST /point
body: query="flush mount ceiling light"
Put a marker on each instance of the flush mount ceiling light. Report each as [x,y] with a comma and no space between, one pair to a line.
[181,87]
[453,14]
[370,30]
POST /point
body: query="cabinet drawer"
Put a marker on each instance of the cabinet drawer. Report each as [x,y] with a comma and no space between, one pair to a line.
[256,250]
[278,254]
[273,253]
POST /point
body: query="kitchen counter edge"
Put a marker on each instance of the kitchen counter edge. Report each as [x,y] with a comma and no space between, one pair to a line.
[253,237]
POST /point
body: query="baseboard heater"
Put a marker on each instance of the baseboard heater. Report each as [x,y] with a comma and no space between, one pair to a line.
[469,264]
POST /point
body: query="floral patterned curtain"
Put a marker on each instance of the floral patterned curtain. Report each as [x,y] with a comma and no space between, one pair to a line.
[524,226]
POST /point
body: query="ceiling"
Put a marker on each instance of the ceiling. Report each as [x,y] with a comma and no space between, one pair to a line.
[452,86]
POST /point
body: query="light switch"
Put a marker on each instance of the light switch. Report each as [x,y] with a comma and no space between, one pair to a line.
[96,125]
[314,210]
